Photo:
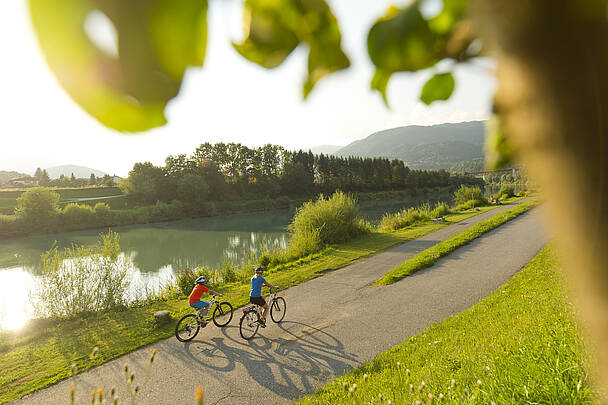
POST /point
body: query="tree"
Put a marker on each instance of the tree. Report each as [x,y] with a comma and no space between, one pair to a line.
[92,179]
[551,99]
[37,207]
[144,183]
[38,174]
[44,178]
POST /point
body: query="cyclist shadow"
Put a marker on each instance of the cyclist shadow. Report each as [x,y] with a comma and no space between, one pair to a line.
[291,365]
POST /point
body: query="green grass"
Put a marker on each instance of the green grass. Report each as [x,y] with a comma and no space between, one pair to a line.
[57,345]
[429,256]
[521,343]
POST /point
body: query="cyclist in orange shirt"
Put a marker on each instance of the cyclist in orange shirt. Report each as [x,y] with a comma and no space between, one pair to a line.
[196,294]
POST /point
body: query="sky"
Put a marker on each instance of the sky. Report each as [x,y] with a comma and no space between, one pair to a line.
[227,100]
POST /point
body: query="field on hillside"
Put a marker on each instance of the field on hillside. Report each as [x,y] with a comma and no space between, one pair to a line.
[8,197]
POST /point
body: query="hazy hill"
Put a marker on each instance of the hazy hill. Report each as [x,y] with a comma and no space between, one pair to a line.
[81,172]
[6,176]
[325,149]
[420,147]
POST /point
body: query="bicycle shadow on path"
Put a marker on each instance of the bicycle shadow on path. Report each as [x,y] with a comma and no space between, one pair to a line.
[290,364]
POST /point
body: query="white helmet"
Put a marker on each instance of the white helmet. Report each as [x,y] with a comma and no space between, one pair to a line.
[201,280]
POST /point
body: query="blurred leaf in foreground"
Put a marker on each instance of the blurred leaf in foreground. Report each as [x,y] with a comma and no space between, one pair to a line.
[274,28]
[129,89]
[438,87]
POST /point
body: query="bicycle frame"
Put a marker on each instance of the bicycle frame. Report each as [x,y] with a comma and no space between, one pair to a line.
[213,302]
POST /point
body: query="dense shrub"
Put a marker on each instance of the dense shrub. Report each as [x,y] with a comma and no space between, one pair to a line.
[506,191]
[38,207]
[81,279]
[323,222]
[79,214]
[465,194]
[102,212]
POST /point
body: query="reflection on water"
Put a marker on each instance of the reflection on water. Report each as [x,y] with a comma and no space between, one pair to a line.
[156,251]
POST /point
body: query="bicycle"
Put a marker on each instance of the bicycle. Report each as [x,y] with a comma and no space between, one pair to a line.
[250,320]
[189,325]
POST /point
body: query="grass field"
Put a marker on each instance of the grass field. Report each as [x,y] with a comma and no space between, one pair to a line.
[8,197]
[521,345]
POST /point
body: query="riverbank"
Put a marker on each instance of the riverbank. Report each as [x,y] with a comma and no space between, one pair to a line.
[60,344]
[93,217]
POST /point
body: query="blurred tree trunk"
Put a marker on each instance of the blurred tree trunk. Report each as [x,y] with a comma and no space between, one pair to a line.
[553,100]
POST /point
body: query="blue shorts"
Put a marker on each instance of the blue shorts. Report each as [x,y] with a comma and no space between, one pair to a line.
[199,305]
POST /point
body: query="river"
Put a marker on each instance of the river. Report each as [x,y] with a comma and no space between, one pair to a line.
[156,251]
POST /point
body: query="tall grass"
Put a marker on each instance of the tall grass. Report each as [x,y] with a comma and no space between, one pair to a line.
[411,216]
[83,279]
[323,222]
[466,194]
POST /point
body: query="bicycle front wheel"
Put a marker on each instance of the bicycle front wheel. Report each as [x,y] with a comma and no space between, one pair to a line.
[222,314]
[249,324]
[187,328]
[277,310]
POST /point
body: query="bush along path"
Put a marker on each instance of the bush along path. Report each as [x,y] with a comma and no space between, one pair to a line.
[314,343]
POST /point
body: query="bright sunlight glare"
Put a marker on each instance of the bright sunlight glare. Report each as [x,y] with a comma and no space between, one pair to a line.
[15,309]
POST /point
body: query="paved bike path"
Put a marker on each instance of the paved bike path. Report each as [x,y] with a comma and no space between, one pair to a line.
[333,324]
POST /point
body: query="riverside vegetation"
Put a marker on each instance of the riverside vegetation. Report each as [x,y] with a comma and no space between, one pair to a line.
[119,331]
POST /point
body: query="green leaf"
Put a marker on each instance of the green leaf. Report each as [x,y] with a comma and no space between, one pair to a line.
[438,87]
[379,83]
[274,28]
[498,151]
[157,41]
[403,41]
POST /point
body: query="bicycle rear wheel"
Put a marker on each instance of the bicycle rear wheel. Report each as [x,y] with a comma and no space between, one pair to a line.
[249,324]
[277,310]
[223,310]
[187,328]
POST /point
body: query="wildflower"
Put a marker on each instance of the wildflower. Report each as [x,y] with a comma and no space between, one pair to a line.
[380,397]
[398,364]
[441,397]
[351,391]
[344,385]
[389,402]
[430,398]
[354,387]
[365,377]
[453,382]
[411,387]
[407,371]
[198,396]
[153,354]
[72,394]
[100,394]
[479,383]
[466,392]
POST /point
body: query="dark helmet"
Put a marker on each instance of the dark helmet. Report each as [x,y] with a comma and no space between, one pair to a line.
[259,270]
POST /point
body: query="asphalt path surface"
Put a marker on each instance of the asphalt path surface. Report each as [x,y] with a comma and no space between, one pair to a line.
[333,323]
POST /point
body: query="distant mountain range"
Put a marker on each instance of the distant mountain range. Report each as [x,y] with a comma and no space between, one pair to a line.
[6,176]
[81,172]
[423,147]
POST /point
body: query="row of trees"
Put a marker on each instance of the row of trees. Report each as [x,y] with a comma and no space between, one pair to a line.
[63,181]
[233,171]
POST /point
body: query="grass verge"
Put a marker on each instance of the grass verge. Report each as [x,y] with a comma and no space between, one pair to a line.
[519,345]
[58,345]
[428,257]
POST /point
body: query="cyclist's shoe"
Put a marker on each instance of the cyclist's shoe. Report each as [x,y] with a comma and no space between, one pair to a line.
[262,323]
[202,323]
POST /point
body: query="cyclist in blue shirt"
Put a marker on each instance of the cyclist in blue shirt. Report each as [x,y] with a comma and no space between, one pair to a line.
[255,296]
